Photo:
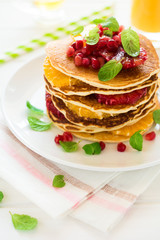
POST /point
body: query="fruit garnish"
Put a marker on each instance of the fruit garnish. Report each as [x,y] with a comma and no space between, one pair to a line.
[66,137]
[121,147]
[102,145]
[103,41]
[150,136]
[122,99]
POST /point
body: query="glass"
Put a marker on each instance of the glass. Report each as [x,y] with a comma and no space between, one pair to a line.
[145,15]
[46,12]
[48,4]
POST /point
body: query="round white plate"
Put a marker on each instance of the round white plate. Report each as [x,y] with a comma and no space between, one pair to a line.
[28,84]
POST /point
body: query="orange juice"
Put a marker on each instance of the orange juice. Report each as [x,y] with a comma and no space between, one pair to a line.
[145,15]
[48,4]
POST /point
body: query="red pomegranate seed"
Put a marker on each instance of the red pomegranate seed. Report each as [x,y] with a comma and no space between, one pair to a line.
[121,147]
[78,60]
[150,136]
[79,44]
[74,45]
[121,28]
[101,61]
[102,145]
[112,45]
[95,63]
[67,137]
[79,54]
[58,138]
[117,39]
[86,62]
[70,51]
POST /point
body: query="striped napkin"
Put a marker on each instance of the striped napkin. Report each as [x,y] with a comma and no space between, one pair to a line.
[97,198]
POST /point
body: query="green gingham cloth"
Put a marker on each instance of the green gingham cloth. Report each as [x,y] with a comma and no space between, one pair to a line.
[57,33]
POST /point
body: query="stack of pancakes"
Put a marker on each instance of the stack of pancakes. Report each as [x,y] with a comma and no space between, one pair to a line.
[73,90]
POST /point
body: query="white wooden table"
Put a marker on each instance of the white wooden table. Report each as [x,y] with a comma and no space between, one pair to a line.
[141,222]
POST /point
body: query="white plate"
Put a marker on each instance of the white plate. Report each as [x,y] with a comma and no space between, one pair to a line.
[28,84]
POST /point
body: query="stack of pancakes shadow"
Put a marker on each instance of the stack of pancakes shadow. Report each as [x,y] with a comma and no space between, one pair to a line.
[71,96]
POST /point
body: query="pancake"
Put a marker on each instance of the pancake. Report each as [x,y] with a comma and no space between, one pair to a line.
[67,85]
[114,136]
[91,103]
[108,123]
[56,51]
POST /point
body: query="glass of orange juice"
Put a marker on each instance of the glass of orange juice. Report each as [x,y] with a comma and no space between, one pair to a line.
[145,15]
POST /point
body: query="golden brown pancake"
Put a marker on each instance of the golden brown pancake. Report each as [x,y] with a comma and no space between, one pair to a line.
[108,123]
[91,103]
[72,86]
[56,51]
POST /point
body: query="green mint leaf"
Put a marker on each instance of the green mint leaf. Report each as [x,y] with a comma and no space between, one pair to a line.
[109,70]
[1,196]
[156,116]
[23,222]
[58,181]
[34,109]
[98,21]
[108,33]
[93,36]
[77,31]
[112,24]
[11,54]
[130,42]
[93,148]
[38,125]
[69,146]
[136,141]
[51,35]
[2,61]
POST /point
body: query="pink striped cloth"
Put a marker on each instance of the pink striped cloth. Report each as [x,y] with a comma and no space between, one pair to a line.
[96,198]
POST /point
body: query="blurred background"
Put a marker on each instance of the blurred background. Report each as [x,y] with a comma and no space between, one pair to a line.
[23,20]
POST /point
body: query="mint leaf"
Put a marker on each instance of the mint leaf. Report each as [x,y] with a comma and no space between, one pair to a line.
[1,196]
[34,109]
[108,33]
[112,24]
[136,141]
[156,116]
[93,148]
[93,36]
[58,181]
[109,70]
[77,31]
[23,222]
[69,146]
[38,125]
[130,42]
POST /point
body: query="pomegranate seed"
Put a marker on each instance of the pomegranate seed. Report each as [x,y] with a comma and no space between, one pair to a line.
[112,45]
[79,44]
[121,147]
[74,45]
[121,28]
[102,145]
[79,54]
[67,137]
[117,39]
[101,61]
[86,62]
[95,63]
[150,136]
[70,51]
[78,60]
[58,138]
